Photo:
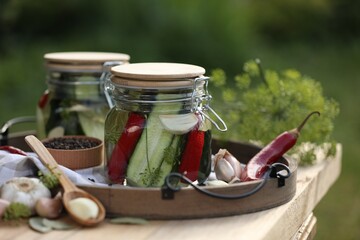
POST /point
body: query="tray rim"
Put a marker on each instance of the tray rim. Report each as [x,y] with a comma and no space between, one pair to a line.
[139,196]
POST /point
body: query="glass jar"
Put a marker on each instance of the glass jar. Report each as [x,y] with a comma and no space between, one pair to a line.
[75,102]
[159,123]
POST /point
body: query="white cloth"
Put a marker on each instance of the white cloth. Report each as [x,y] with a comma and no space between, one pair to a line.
[15,165]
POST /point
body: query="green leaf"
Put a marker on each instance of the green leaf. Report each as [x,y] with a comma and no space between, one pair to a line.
[36,223]
[128,220]
[45,225]
[57,224]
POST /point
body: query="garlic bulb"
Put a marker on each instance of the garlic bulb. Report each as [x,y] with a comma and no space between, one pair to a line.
[24,190]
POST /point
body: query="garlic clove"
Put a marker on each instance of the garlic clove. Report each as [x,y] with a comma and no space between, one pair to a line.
[49,207]
[224,170]
[216,183]
[219,155]
[235,164]
[235,180]
[84,208]
[226,166]
[224,173]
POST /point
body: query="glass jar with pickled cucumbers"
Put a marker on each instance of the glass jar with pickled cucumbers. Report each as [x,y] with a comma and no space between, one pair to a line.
[159,123]
[75,102]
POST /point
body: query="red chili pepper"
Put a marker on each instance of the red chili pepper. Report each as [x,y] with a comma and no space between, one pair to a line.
[13,150]
[259,164]
[43,99]
[191,157]
[124,147]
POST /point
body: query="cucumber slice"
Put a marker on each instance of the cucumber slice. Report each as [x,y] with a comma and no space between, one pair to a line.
[179,123]
[205,164]
[148,153]
[92,124]
[92,120]
[58,131]
[145,163]
[170,158]
[40,123]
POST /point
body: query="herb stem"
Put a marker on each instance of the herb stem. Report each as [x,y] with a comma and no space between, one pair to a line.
[261,71]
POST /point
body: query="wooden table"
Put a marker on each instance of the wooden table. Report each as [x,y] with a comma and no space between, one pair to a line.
[293,220]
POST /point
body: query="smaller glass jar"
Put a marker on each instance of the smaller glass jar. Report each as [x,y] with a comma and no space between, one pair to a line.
[159,123]
[75,102]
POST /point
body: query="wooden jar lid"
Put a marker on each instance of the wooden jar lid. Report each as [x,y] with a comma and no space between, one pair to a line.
[156,74]
[78,61]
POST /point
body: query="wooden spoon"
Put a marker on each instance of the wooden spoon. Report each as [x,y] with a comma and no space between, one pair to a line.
[69,188]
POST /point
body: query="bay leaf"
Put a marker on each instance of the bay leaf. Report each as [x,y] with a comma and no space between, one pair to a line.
[36,223]
[128,220]
[57,224]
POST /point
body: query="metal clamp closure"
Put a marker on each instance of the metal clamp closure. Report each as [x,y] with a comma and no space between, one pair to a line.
[105,80]
[201,103]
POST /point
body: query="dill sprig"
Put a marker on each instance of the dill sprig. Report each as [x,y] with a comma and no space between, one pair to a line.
[16,211]
[50,180]
[262,103]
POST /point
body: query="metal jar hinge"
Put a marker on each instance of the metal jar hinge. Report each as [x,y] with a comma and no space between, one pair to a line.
[201,103]
[105,80]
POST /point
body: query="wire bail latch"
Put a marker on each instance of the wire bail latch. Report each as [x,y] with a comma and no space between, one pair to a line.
[202,102]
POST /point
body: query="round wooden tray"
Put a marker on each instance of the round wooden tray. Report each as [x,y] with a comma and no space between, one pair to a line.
[188,203]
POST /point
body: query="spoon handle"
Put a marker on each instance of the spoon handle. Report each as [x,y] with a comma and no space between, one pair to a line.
[48,160]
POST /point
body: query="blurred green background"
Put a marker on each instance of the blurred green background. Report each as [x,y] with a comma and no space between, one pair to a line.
[320,38]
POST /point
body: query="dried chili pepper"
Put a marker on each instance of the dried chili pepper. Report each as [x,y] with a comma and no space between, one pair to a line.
[13,150]
[258,165]
[191,157]
[124,147]
[43,99]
